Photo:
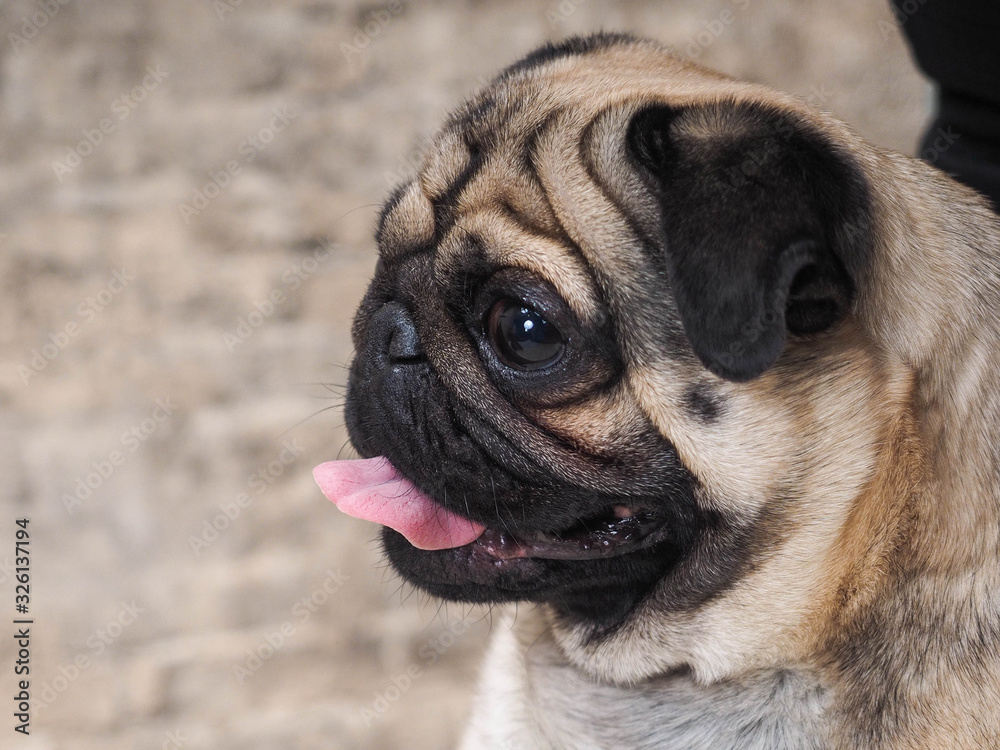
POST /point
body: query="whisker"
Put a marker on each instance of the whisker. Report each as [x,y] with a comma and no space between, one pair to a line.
[347,444]
[306,419]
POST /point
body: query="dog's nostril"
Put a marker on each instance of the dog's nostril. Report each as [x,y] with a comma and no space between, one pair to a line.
[404,345]
[403,342]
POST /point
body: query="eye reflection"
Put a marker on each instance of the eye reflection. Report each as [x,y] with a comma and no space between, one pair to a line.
[522,338]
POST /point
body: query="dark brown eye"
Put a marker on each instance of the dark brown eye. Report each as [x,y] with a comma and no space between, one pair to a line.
[522,338]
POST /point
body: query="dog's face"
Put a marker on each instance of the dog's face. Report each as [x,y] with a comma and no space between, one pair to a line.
[615,322]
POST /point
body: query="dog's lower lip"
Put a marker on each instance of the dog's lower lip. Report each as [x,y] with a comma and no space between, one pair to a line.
[619,530]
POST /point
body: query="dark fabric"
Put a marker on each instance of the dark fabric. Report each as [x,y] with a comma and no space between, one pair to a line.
[957,43]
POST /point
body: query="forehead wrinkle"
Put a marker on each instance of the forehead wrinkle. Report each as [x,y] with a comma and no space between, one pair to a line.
[594,224]
[508,182]
[443,163]
[408,223]
[505,243]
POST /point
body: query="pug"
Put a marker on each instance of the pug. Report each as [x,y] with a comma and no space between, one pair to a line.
[710,381]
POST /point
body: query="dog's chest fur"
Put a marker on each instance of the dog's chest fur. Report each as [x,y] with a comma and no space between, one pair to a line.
[532,699]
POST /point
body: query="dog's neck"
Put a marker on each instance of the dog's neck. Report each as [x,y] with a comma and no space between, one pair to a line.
[918,607]
[928,609]
[960,404]
[946,331]
[940,320]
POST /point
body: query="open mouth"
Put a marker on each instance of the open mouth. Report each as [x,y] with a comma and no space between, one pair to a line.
[374,490]
[613,532]
[593,569]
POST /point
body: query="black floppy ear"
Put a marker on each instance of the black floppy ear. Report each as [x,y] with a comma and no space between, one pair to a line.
[765,221]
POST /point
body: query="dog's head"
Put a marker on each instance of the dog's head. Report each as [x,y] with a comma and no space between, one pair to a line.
[616,322]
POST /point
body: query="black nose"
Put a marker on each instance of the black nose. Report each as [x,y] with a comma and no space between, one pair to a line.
[397,333]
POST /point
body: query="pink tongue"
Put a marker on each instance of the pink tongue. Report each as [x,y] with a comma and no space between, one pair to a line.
[372,489]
